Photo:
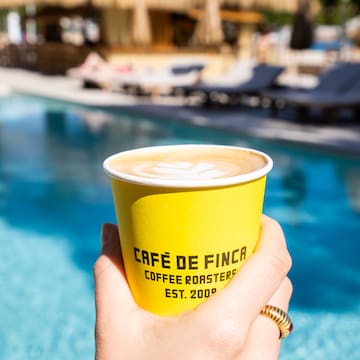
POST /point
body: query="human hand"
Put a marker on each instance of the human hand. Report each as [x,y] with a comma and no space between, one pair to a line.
[226,326]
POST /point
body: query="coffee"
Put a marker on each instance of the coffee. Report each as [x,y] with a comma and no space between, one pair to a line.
[187,163]
[189,217]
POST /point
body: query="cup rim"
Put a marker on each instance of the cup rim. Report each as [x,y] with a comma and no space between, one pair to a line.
[174,183]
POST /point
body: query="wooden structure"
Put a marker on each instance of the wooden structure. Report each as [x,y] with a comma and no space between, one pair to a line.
[138,26]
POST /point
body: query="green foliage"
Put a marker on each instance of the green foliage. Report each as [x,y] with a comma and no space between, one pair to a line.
[277,18]
[3,12]
[337,15]
[19,9]
[336,12]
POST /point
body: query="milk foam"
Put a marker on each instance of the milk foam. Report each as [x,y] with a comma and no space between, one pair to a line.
[185,164]
[183,170]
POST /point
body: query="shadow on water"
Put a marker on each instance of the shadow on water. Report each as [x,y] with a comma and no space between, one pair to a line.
[321,224]
[52,167]
[325,277]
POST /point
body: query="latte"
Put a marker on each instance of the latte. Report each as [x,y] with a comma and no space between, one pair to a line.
[189,217]
[188,165]
[185,163]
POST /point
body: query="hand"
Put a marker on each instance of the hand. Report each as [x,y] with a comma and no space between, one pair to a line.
[226,326]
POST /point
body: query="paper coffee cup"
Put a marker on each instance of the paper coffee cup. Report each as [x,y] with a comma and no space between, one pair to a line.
[188,216]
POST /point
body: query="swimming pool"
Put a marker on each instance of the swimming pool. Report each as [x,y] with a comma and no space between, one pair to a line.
[54,197]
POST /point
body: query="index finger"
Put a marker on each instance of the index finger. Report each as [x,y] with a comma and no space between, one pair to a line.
[256,282]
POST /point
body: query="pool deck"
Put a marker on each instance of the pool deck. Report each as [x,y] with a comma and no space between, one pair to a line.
[342,136]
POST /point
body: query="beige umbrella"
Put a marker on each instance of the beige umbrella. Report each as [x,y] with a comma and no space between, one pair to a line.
[208,30]
[141,29]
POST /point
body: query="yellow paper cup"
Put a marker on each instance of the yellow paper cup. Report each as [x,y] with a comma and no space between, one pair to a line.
[183,241]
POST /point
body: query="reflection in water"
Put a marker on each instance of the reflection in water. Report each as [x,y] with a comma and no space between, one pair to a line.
[94,120]
[294,185]
[294,182]
[55,122]
[305,194]
[351,179]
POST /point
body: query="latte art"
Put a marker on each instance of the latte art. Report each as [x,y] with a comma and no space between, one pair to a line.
[186,165]
[185,170]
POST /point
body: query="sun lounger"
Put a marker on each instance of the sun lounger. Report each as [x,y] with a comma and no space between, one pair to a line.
[263,77]
[96,72]
[338,88]
[238,73]
[329,103]
[158,81]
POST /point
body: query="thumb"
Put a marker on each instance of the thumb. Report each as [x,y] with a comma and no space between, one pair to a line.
[111,287]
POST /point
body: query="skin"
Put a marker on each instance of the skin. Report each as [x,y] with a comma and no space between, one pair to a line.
[226,326]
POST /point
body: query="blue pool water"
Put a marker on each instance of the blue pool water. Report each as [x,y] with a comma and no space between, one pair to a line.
[54,197]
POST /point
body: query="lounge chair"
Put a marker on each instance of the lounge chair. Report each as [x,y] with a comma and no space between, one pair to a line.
[238,73]
[95,72]
[330,103]
[338,88]
[263,77]
[158,81]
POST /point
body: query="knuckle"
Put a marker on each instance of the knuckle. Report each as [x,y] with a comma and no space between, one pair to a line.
[281,256]
[288,287]
[271,221]
[278,253]
[226,338]
[281,260]
[277,229]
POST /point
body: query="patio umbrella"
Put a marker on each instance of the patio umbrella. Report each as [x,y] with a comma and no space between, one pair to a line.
[208,29]
[302,29]
[141,30]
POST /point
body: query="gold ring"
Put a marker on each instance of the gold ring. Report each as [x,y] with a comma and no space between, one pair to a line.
[281,318]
